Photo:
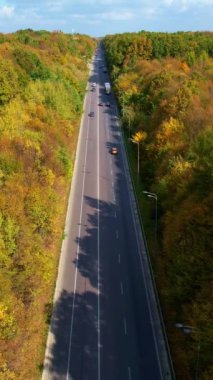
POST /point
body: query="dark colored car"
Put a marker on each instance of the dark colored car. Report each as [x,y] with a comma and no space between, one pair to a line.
[114,150]
[92,114]
[100,104]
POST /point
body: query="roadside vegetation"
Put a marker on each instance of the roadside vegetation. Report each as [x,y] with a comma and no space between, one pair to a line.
[163,83]
[42,85]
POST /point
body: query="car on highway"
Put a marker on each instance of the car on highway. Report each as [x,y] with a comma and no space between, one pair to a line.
[108,104]
[91,114]
[114,150]
[100,104]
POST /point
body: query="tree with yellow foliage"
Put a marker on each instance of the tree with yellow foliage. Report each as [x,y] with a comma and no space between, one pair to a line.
[42,84]
[138,138]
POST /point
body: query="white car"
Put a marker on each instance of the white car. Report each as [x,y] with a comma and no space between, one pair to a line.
[94,84]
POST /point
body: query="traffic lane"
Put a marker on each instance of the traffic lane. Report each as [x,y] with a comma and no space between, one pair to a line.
[113,363]
[89,224]
[66,298]
[136,283]
[93,76]
[59,339]
[84,353]
[147,353]
[134,265]
[113,334]
[87,272]
[110,118]
[84,340]
[105,140]
[84,357]
[111,357]
[135,366]
[129,350]
[93,108]
[141,350]
[85,250]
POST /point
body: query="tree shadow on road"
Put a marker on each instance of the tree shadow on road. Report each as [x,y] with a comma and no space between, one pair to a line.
[74,350]
[74,322]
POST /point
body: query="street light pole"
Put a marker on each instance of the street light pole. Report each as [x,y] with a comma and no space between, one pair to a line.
[137,142]
[129,126]
[154,196]
[138,159]
[188,330]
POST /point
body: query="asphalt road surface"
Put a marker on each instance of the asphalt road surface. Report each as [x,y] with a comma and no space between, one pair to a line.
[105,323]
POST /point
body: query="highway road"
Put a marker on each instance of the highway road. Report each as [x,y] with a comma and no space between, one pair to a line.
[105,323]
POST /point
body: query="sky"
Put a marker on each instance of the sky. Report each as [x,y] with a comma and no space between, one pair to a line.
[100,17]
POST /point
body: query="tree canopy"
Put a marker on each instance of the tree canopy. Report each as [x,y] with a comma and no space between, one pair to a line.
[42,84]
[167,85]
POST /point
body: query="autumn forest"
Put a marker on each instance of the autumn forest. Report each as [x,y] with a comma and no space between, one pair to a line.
[163,84]
[42,85]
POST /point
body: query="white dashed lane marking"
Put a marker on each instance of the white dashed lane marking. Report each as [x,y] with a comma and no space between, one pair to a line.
[125,328]
[122,288]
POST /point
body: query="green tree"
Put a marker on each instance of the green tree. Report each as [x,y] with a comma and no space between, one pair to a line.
[31,64]
[8,236]
[9,84]
[7,322]
[201,156]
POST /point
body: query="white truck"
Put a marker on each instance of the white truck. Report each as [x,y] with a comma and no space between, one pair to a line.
[107,88]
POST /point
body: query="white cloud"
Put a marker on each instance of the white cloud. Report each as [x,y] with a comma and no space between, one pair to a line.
[94,22]
[56,5]
[117,15]
[168,2]
[6,11]
[78,16]
[99,2]
[111,15]
[150,11]
[188,3]
[110,2]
